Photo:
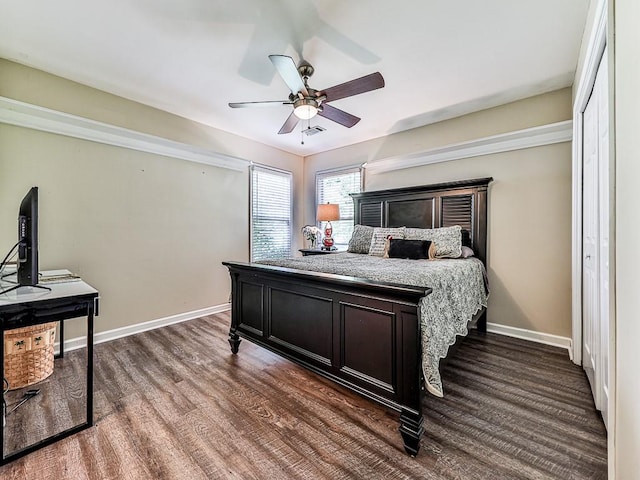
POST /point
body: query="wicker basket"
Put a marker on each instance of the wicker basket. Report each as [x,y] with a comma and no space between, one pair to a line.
[28,354]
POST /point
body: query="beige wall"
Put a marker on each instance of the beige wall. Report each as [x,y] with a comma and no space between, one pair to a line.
[131,205]
[529,219]
[627,121]
[150,232]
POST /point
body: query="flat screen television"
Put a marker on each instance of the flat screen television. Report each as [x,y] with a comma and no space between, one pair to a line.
[28,239]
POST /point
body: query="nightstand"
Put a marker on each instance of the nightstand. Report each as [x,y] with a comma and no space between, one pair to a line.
[315,251]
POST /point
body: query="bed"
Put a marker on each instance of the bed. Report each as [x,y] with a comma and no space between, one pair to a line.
[362,333]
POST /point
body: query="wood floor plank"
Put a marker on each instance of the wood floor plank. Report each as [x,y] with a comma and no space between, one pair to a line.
[174,403]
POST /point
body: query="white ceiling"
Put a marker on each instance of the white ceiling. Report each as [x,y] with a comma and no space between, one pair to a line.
[439,58]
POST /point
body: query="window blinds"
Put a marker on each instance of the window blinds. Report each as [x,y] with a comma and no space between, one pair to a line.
[335,187]
[271,193]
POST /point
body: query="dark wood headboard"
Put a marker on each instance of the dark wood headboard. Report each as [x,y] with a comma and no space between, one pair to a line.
[461,203]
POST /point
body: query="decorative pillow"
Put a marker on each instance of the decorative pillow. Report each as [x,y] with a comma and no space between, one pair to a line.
[466,252]
[411,249]
[380,236]
[361,239]
[448,240]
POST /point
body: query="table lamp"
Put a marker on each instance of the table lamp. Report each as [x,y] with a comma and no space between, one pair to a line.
[328,212]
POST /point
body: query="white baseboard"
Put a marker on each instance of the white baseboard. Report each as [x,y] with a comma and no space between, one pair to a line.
[80,342]
[538,337]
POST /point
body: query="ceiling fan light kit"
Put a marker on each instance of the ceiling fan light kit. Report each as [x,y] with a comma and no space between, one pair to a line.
[307,102]
[305,108]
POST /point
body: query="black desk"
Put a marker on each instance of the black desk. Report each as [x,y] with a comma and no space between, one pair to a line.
[27,307]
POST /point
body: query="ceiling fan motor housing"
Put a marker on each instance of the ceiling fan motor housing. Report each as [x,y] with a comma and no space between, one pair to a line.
[305,69]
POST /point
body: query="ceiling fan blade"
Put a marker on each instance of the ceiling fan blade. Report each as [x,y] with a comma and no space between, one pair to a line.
[289,124]
[269,103]
[338,116]
[364,84]
[287,69]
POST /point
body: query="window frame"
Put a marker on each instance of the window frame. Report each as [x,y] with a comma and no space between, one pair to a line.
[277,171]
[334,172]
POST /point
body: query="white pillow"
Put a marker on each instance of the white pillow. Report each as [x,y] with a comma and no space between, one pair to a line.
[448,240]
[380,236]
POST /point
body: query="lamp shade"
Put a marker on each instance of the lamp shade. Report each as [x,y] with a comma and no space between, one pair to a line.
[328,212]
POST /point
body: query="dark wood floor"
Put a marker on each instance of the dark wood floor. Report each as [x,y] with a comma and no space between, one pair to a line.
[173,403]
[59,405]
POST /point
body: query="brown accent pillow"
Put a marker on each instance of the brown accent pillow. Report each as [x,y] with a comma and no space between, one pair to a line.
[411,249]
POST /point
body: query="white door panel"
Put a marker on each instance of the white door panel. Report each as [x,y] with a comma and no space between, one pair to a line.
[601,87]
[590,304]
[596,242]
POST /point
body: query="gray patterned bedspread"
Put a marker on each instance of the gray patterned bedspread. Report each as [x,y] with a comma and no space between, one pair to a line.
[458,285]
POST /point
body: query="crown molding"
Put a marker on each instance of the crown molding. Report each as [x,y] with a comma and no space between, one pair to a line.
[517,140]
[21,114]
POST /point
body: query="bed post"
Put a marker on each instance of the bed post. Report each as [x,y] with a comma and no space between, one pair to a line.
[481,324]
[234,338]
[411,419]
[411,429]
[234,341]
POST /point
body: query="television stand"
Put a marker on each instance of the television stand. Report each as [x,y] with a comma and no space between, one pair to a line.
[65,301]
[15,287]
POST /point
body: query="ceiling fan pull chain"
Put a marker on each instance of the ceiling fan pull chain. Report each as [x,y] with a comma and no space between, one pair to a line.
[302,130]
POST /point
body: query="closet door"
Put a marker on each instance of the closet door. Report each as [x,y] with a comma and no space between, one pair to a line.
[595,241]
[602,89]
[590,250]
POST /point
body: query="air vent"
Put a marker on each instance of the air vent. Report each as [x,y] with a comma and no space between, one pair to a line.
[314,130]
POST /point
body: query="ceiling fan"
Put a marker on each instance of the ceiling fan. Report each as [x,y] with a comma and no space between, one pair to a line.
[306,101]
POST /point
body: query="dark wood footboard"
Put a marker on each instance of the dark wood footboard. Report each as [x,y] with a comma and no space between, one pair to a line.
[361,334]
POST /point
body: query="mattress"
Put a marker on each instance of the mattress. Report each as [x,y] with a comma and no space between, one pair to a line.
[459,291]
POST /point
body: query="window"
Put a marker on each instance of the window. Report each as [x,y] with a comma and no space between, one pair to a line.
[334,187]
[270,213]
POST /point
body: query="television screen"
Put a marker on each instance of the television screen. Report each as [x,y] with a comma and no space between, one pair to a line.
[28,239]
